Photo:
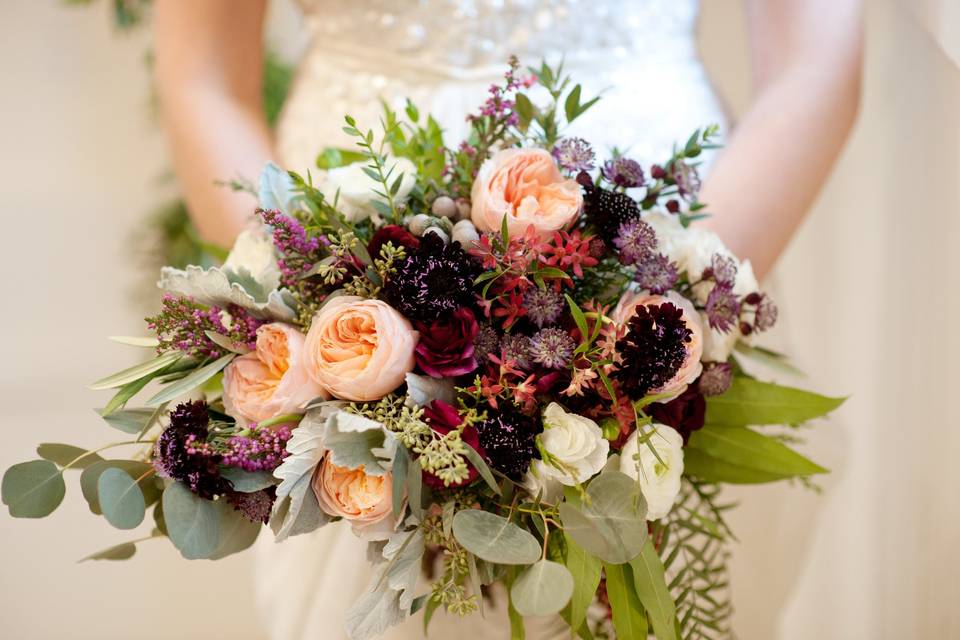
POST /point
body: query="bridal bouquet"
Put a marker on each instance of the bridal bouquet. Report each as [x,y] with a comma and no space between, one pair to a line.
[504,364]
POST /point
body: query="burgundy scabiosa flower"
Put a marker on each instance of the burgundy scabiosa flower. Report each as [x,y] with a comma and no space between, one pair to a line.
[606,209]
[574,154]
[544,306]
[444,418]
[653,350]
[656,273]
[434,280]
[552,348]
[394,234]
[686,413]
[723,308]
[174,456]
[508,440]
[634,240]
[623,172]
[446,347]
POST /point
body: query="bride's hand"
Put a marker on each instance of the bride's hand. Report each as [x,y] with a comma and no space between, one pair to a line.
[806,58]
[209,56]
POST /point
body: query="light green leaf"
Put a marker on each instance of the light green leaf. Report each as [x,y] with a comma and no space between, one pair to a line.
[224,342]
[698,464]
[137,371]
[629,620]
[247,481]
[482,468]
[33,489]
[90,478]
[120,498]
[571,106]
[746,448]
[401,465]
[128,420]
[351,440]
[191,382]
[751,402]
[517,630]
[611,522]
[236,532]
[193,523]
[542,589]
[494,538]
[651,588]
[767,357]
[64,454]
[578,316]
[585,570]
[136,341]
[122,551]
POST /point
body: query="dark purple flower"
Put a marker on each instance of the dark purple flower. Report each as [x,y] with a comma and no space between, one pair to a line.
[444,418]
[686,413]
[623,172]
[686,178]
[175,457]
[508,438]
[434,280]
[552,348]
[715,379]
[574,154]
[544,306]
[723,308]
[656,273]
[635,239]
[396,235]
[653,350]
[607,209]
[446,347]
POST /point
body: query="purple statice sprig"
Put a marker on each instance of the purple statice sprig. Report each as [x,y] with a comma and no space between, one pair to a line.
[182,325]
[253,449]
[298,251]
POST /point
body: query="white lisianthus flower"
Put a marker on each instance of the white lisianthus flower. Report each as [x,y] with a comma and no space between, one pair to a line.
[659,478]
[572,447]
[357,189]
[538,481]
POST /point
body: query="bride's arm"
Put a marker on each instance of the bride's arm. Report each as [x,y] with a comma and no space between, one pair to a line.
[209,61]
[806,56]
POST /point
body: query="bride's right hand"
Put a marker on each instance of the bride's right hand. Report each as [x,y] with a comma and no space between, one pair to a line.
[209,61]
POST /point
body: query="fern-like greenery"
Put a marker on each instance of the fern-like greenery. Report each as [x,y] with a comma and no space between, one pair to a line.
[694,546]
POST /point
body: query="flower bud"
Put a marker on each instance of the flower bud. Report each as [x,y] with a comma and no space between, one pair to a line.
[444,207]
[419,223]
[465,233]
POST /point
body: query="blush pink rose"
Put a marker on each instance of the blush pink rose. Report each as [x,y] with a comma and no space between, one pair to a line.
[359,349]
[692,367]
[272,380]
[353,494]
[526,186]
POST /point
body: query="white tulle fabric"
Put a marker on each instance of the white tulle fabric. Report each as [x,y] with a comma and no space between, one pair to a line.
[444,54]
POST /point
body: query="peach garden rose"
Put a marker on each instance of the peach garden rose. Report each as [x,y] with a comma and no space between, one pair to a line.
[271,380]
[526,186]
[353,494]
[359,349]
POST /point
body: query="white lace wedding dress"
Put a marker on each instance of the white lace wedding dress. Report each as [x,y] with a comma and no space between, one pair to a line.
[443,54]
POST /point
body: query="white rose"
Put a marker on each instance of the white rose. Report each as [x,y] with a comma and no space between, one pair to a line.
[357,189]
[254,254]
[659,481]
[573,447]
[670,234]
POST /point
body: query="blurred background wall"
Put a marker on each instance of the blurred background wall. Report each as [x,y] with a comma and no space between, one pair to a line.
[873,557]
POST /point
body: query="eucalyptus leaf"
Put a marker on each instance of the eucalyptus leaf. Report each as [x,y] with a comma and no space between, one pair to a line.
[90,478]
[749,449]
[193,523]
[122,551]
[542,589]
[247,481]
[236,532]
[128,420]
[121,500]
[651,587]
[611,522]
[751,402]
[585,570]
[494,538]
[64,454]
[190,382]
[136,372]
[33,489]
[629,620]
